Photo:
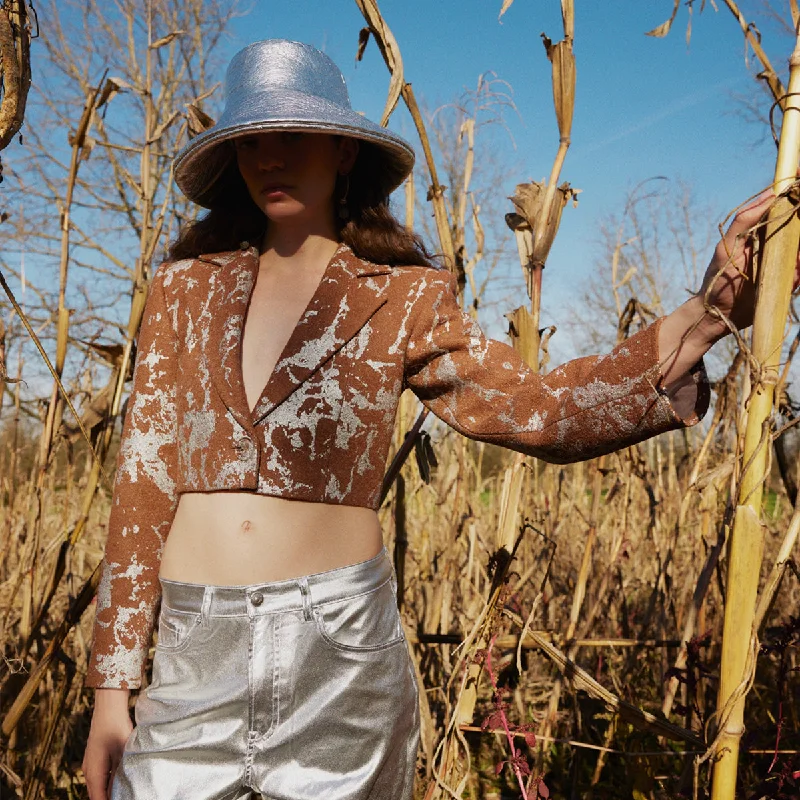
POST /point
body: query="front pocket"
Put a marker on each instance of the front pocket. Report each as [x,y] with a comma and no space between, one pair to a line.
[175,628]
[363,623]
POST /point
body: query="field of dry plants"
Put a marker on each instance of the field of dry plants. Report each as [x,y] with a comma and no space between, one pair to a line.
[566,622]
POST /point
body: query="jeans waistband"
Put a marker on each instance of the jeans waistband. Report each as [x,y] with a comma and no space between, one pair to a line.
[277,596]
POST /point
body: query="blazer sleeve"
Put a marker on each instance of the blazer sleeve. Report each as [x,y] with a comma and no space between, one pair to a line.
[142,508]
[583,409]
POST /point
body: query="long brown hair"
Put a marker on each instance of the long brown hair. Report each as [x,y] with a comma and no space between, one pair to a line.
[370,231]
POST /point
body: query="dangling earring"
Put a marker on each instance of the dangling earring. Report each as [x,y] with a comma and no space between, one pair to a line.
[344,211]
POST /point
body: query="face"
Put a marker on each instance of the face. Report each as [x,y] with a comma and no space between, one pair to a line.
[291,175]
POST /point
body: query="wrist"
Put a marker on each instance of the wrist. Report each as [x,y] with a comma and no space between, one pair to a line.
[708,326]
[112,699]
[684,337]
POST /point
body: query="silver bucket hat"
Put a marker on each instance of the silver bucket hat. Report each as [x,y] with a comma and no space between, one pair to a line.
[282,85]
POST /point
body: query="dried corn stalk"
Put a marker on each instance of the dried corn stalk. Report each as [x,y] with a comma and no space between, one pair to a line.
[775,278]
[390,51]
[15,67]
[538,208]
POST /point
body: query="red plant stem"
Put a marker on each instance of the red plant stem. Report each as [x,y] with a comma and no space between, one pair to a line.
[778,728]
[504,720]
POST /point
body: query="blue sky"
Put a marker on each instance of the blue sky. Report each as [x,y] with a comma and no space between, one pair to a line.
[645,107]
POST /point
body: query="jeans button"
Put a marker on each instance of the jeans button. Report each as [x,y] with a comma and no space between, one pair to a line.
[256,598]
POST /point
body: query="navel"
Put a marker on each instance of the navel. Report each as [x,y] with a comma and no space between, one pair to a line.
[247,526]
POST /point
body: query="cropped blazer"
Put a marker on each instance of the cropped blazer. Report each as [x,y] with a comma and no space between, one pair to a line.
[322,427]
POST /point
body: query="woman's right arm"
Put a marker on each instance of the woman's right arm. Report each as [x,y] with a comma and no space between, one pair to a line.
[142,509]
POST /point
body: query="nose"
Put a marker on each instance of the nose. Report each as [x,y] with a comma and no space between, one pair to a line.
[271,153]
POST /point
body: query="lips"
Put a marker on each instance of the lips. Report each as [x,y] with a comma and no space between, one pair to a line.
[275,188]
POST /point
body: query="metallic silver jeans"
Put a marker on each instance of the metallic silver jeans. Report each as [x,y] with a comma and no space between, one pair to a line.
[297,690]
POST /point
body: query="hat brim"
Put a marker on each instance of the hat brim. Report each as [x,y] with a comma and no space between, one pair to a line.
[201,163]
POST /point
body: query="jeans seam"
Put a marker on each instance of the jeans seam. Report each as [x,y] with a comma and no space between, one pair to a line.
[276,675]
[248,763]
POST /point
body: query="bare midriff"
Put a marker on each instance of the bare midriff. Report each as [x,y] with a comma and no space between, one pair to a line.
[239,538]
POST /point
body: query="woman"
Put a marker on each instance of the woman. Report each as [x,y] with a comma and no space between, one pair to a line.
[250,466]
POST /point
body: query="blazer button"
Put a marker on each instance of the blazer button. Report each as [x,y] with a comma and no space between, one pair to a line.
[256,598]
[240,445]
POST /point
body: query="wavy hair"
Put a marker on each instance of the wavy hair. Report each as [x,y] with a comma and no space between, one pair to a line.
[371,231]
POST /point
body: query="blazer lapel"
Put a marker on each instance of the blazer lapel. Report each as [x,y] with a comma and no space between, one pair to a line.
[234,283]
[347,296]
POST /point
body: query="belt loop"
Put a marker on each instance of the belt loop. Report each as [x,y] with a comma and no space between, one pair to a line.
[204,613]
[303,584]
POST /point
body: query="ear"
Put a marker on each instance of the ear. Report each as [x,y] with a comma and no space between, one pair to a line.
[348,152]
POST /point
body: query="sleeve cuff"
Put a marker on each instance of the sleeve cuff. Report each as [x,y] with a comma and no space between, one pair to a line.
[690,395]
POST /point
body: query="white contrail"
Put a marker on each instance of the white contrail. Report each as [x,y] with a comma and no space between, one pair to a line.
[667,111]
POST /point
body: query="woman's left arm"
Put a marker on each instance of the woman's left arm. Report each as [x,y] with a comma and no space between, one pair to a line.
[651,383]
[582,409]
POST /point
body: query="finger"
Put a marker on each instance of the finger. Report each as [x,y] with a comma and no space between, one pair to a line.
[749,215]
[742,230]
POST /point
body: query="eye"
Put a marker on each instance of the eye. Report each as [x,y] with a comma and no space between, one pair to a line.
[244,142]
[292,137]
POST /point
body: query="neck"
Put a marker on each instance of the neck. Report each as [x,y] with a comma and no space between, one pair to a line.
[283,240]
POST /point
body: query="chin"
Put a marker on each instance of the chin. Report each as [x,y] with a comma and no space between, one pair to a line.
[282,212]
[292,213]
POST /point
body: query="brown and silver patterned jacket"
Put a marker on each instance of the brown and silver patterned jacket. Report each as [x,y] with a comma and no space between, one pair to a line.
[322,427]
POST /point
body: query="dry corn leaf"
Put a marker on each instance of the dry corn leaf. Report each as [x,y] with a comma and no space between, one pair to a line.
[390,51]
[88,145]
[517,222]
[506,5]
[663,29]
[568,18]
[524,335]
[110,353]
[76,138]
[563,61]
[162,128]
[363,39]
[689,25]
[197,120]
[410,192]
[165,40]
[62,337]
[545,334]
[425,456]
[480,237]
[528,200]
[715,477]
[467,131]
[92,414]
[111,88]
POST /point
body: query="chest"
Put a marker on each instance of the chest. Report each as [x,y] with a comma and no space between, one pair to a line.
[268,349]
[276,305]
